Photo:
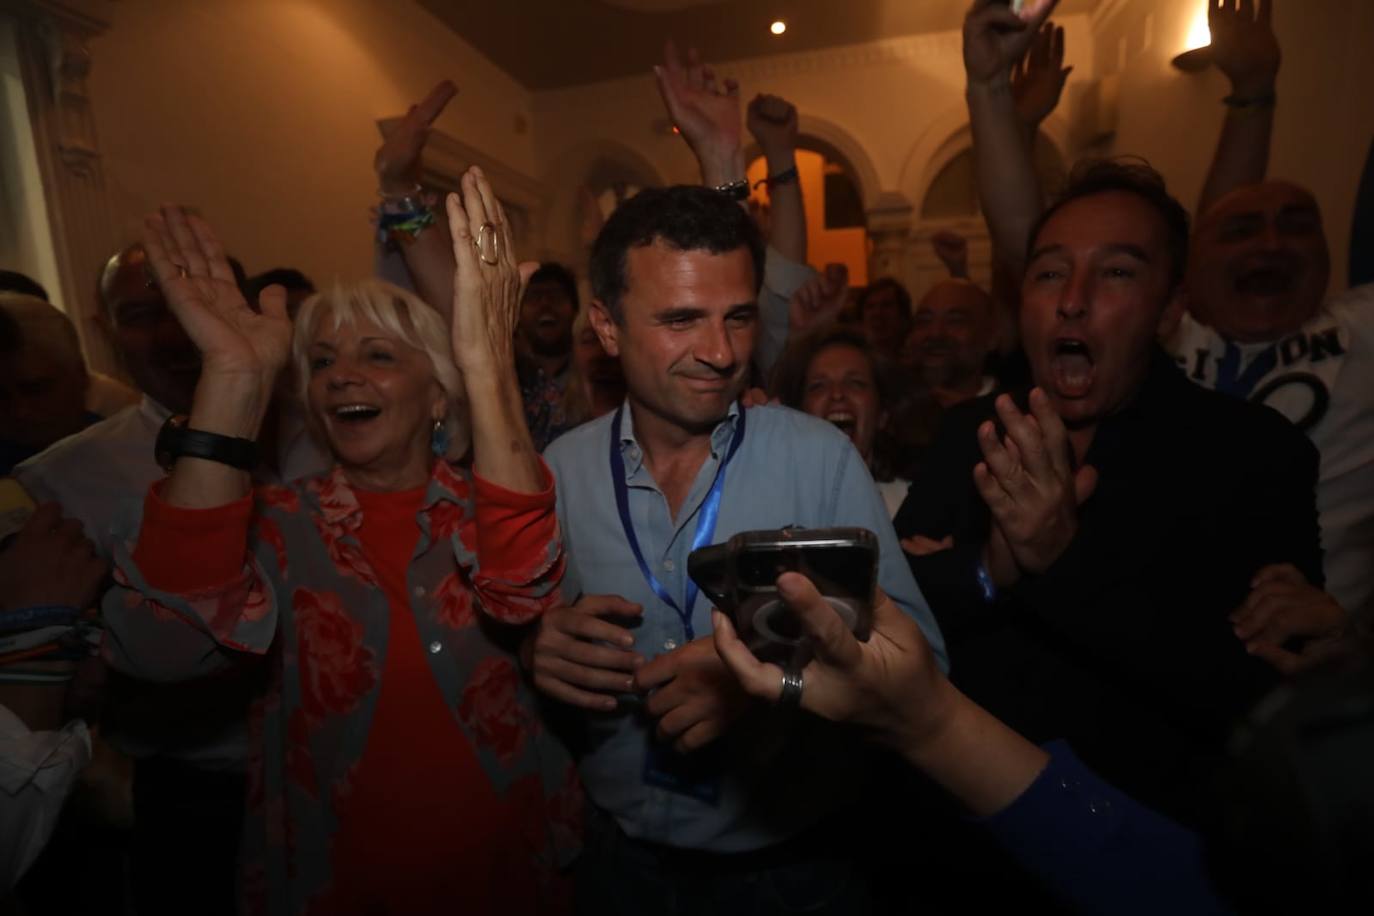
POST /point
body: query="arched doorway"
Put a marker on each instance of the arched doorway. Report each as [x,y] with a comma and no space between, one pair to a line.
[836,224]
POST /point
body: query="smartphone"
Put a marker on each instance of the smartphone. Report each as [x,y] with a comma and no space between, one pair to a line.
[740,577]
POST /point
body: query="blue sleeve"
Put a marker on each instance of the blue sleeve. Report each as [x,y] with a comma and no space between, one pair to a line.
[856,502]
[1100,849]
[781,278]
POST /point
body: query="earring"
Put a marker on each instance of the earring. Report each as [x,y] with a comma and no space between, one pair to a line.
[439,438]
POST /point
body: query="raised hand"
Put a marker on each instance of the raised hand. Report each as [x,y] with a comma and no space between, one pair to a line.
[817,301]
[1038,80]
[952,250]
[1283,605]
[397,161]
[192,270]
[772,120]
[706,112]
[488,283]
[695,698]
[1244,45]
[995,38]
[1027,483]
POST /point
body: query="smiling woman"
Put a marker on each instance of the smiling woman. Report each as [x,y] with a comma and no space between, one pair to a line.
[399,569]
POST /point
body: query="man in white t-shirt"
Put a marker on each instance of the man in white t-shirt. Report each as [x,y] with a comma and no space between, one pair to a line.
[1258,329]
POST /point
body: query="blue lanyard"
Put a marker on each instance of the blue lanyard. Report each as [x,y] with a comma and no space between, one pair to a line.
[706,519]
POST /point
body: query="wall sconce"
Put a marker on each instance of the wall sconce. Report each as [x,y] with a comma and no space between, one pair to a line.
[1198,56]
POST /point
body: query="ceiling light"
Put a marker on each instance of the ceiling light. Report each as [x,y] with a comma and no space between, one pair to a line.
[778,27]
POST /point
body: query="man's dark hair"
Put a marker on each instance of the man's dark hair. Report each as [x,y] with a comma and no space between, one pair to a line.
[12,281]
[1090,177]
[288,277]
[553,272]
[877,286]
[683,217]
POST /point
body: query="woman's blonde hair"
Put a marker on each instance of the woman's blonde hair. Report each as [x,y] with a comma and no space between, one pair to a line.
[401,314]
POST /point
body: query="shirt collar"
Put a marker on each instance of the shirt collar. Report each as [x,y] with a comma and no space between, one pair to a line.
[339,507]
[633,454]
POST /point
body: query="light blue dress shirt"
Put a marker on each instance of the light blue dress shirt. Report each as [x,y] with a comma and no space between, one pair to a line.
[776,773]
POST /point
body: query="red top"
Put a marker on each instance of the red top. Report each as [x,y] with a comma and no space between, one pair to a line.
[421,829]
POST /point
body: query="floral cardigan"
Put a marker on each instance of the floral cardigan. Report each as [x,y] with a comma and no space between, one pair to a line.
[307,604]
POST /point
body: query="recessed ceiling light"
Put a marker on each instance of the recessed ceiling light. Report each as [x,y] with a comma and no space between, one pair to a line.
[778,27]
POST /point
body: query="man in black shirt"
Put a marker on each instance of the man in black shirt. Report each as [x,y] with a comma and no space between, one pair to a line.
[1105,525]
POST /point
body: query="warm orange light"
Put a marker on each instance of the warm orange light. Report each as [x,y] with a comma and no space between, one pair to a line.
[1199,34]
[778,27]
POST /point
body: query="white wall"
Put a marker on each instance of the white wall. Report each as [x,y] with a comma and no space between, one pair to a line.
[262,113]
[1323,124]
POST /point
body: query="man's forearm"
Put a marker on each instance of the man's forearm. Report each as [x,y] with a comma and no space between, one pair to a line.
[787,219]
[1008,187]
[429,259]
[1242,155]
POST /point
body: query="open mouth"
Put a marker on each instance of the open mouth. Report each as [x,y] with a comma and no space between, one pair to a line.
[355,413]
[1072,366]
[1266,281]
[844,420]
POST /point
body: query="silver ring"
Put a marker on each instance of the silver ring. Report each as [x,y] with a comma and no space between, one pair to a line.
[791,688]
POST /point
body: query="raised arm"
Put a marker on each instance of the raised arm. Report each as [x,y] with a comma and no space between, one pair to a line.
[1245,48]
[773,123]
[488,285]
[706,113]
[995,39]
[242,350]
[421,236]
[1038,81]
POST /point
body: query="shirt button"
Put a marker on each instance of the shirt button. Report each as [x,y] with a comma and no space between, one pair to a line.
[435,647]
[1099,806]
[419,591]
[669,645]
[668,565]
[1067,784]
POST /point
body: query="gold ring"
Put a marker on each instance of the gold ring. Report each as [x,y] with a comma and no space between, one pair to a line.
[486,244]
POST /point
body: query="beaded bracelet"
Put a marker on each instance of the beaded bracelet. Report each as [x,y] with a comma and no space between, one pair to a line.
[786,176]
[735,190]
[985,583]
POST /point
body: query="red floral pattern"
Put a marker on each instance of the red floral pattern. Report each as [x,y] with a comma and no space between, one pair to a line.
[489,709]
[456,607]
[336,669]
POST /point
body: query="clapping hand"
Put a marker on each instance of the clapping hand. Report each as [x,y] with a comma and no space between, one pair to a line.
[1244,45]
[1029,487]
[706,112]
[1038,80]
[236,341]
[397,161]
[996,39]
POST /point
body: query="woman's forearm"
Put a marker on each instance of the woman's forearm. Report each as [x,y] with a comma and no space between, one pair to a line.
[502,450]
[231,406]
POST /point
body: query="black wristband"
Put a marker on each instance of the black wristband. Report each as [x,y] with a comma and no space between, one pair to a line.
[1268,100]
[176,440]
[786,176]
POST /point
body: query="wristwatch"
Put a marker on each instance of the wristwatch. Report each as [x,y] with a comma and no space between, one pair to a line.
[176,439]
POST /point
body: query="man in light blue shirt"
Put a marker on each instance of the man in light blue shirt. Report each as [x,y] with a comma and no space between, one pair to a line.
[697,791]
